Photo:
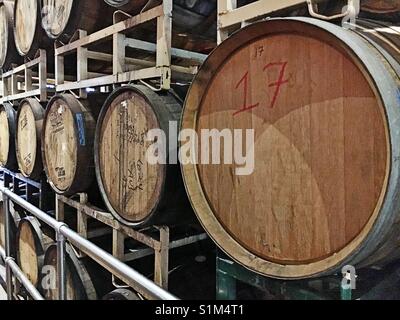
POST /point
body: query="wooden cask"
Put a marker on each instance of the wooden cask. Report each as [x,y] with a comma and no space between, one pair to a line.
[136,192]
[322,103]
[28,138]
[31,244]
[79,282]
[62,18]
[7,137]
[28,33]
[8,52]
[67,143]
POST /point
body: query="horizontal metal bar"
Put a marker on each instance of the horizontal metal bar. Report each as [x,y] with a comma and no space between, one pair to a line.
[131,277]
[22,68]
[22,95]
[141,74]
[33,292]
[254,10]
[141,253]
[175,52]
[107,219]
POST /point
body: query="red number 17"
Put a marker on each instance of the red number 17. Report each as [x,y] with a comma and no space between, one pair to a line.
[278,85]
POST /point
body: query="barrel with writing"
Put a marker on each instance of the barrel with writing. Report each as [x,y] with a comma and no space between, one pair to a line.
[7,137]
[8,52]
[28,33]
[67,142]
[31,244]
[312,111]
[62,18]
[28,138]
[139,192]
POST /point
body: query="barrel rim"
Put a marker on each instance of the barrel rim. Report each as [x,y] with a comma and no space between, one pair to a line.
[144,92]
[193,184]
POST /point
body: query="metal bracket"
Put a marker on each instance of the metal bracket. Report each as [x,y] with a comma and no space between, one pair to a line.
[352,9]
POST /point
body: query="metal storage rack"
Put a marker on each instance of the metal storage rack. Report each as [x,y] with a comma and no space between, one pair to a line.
[125,69]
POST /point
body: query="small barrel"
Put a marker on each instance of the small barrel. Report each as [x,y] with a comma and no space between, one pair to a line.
[28,138]
[28,33]
[62,18]
[79,282]
[8,157]
[121,295]
[8,51]
[136,192]
[31,244]
[67,143]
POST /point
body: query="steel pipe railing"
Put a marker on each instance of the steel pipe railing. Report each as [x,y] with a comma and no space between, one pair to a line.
[131,277]
[13,269]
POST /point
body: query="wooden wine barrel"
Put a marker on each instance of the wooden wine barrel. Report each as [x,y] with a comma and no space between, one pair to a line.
[28,138]
[7,137]
[31,244]
[8,52]
[62,18]
[28,33]
[323,102]
[67,143]
[79,282]
[136,192]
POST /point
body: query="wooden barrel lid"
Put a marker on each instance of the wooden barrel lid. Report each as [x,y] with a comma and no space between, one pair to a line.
[131,185]
[322,152]
[4,137]
[79,283]
[25,24]
[56,16]
[29,128]
[30,249]
[60,144]
[4,19]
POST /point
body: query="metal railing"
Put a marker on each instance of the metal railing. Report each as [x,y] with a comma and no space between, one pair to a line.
[132,278]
